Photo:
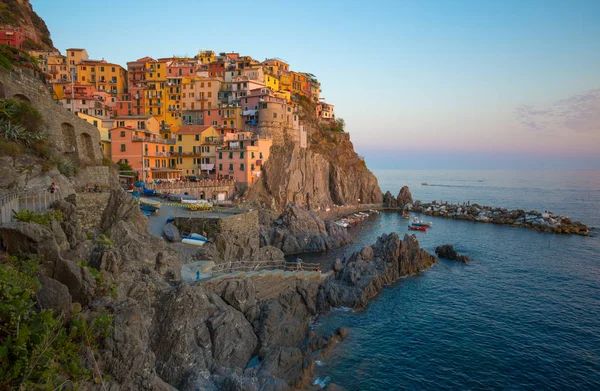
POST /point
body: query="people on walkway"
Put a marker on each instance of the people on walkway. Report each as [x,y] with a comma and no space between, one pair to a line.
[298,263]
[53,188]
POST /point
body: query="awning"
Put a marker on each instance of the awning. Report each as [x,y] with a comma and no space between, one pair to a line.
[207,167]
[249,112]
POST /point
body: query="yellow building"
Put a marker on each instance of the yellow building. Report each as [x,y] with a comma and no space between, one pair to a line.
[141,122]
[272,82]
[186,155]
[232,116]
[173,92]
[285,82]
[107,77]
[75,56]
[206,56]
[104,125]
[156,81]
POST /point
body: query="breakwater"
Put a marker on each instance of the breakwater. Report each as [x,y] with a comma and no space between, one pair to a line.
[546,221]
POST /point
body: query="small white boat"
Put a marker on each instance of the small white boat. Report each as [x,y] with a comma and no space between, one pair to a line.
[184,201]
[193,242]
[198,237]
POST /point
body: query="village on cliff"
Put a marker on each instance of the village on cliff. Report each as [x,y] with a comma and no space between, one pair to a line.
[208,116]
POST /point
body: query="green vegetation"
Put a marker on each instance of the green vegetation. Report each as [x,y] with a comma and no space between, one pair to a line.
[66,166]
[40,349]
[10,56]
[125,168]
[21,123]
[337,125]
[28,216]
[105,241]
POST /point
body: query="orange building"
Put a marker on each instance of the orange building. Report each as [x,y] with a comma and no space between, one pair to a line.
[144,151]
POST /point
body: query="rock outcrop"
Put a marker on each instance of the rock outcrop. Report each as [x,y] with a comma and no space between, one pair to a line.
[299,230]
[447,251]
[328,172]
[546,222]
[366,272]
[403,198]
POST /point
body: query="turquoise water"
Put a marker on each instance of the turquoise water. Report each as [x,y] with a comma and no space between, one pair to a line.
[524,315]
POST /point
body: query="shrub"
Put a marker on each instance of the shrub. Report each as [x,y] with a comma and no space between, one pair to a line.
[67,167]
[38,349]
[105,241]
[29,216]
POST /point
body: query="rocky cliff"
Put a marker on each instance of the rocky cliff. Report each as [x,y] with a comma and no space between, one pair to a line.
[20,13]
[328,172]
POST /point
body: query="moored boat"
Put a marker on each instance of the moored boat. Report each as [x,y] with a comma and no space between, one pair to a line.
[148,208]
[416,228]
[193,242]
[148,201]
[171,232]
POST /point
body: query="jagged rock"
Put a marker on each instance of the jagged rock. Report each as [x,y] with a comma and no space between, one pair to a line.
[123,207]
[362,278]
[389,201]
[54,295]
[303,231]
[404,197]
[79,280]
[447,251]
[69,224]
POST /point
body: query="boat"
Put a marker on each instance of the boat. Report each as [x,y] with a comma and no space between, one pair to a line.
[424,184]
[197,237]
[193,242]
[138,184]
[180,197]
[148,208]
[415,228]
[171,232]
[146,213]
[148,201]
[421,224]
[149,192]
[195,201]
[405,216]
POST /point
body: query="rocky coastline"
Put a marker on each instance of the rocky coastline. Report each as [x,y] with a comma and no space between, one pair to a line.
[538,221]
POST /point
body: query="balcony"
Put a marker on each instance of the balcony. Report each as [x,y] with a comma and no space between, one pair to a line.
[213,140]
[184,154]
[156,154]
[152,140]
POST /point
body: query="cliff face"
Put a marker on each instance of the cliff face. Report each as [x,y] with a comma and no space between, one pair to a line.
[20,13]
[326,173]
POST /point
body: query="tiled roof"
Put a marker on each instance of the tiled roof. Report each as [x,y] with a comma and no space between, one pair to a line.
[192,129]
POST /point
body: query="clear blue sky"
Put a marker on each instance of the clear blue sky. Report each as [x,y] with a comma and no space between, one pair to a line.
[421,84]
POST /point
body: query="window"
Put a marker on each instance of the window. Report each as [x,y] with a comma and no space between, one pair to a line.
[274,115]
[95,123]
[252,167]
[252,155]
[220,167]
[241,155]
[123,147]
[231,167]
[68,100]
[197,138]
[113,69]
[231,155]
[242,167]
[122,133]
[101,69]
[260,155]
[179,137]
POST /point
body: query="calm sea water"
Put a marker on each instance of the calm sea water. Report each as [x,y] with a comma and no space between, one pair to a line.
[524,315]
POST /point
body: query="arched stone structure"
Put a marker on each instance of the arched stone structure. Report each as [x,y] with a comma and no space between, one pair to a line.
[22,98]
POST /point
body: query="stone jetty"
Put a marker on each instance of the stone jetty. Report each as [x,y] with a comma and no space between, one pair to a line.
[546,221]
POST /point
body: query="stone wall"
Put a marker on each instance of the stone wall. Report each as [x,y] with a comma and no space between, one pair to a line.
[240,223]
[89,208]
[74,137]
[101,175]
[208,192]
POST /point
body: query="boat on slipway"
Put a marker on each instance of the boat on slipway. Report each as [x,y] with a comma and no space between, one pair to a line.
[171,232]
[194,240]
[148,201]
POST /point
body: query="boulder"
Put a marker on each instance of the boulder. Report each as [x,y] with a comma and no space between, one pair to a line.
[404,197]
[29,239]
[54,295]
[79,280]
[447,251]
[389,201]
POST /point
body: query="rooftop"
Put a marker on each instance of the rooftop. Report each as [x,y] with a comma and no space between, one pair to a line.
[192,129]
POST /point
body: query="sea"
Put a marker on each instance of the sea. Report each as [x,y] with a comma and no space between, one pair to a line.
[523,315]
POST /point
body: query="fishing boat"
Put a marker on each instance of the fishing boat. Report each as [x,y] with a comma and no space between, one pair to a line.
[415,228]
[148,208]
[193,242]
[146,213]
[171,232]
[424,184]
[197,237]
[148,201]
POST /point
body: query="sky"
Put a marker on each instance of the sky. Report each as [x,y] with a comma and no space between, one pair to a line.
[494,84]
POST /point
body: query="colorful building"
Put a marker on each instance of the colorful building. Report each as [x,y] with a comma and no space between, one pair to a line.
[242,157]
[191,147]
[17,37]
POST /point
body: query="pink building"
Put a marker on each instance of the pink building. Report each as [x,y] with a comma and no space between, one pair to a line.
[85,99]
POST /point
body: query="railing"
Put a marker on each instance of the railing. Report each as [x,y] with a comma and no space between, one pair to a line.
[199,183]
[35,201]
[247,266]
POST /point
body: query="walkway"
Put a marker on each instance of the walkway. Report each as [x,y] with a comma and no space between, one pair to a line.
[211,272]
[37,201]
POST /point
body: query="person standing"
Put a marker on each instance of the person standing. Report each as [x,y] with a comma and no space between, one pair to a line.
[198,275]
